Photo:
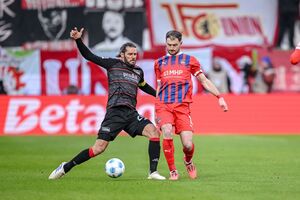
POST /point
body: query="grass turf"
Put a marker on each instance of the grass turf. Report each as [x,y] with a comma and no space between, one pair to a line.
[229,168]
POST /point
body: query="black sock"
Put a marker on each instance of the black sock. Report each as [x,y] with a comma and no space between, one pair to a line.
[154,153]
[80,158]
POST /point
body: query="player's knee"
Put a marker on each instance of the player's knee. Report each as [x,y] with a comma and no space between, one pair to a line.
[153,132]
[188,145]
[99,148]
[167,135]
[167,131]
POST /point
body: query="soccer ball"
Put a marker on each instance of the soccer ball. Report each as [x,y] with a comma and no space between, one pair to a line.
[114,168]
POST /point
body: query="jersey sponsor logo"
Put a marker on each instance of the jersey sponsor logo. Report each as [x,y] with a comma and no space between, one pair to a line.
[173,72]
[129,76]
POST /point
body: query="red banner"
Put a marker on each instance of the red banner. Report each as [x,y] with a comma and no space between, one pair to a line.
[51,115]
[287,75]
[42,4]
[248,114]
[59,70]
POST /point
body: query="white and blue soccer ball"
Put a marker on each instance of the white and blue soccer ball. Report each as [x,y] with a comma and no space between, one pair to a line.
[114,168]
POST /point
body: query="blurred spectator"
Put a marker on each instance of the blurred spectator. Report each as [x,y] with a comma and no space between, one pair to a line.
[288,13]
[264,77]
[245,64]
[72,90]
[219,77]
[2,90]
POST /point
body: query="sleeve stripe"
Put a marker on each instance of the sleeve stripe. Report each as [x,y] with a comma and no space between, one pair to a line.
[198,72]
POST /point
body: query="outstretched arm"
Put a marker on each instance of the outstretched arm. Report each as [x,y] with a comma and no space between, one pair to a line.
[86,53]
[209,86]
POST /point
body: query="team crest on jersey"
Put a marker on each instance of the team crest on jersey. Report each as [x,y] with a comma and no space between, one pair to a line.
[182,62]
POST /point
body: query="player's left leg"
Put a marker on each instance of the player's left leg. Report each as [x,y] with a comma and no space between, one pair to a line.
[188,150]
[153,150]
[110,128]
[99,146]
[184,126]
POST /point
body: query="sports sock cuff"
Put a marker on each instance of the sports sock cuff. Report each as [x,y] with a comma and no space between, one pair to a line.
[154,139]
[168,139]
[91,152]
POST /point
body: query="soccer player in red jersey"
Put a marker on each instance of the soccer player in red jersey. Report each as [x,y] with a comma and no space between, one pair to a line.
[174,96]
[295,57]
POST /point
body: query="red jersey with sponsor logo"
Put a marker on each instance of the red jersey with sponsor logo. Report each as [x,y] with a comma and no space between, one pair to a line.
[174,72]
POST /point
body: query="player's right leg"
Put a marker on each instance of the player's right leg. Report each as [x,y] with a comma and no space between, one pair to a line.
[169,150]
[164,120]
[99,147]
[152,133]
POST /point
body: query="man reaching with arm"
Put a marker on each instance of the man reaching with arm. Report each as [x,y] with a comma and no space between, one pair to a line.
[124,78]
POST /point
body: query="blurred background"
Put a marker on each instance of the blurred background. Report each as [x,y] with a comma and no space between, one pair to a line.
[243,46]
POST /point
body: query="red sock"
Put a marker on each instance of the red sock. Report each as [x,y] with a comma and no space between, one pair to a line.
[91,152]
[188,154]
[168,148]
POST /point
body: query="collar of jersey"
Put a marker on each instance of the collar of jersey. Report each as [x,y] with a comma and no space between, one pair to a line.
[180,52]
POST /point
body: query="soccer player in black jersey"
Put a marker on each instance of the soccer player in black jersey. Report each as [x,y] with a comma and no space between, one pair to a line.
[124,78]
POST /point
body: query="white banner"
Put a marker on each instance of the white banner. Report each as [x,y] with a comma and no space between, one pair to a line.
[214,22]
[20,71]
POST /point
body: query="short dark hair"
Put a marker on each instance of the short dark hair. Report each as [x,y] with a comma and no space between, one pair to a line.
[124,46]
[174,34]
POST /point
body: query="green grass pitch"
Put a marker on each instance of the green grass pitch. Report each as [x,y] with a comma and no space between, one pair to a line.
[229,167]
